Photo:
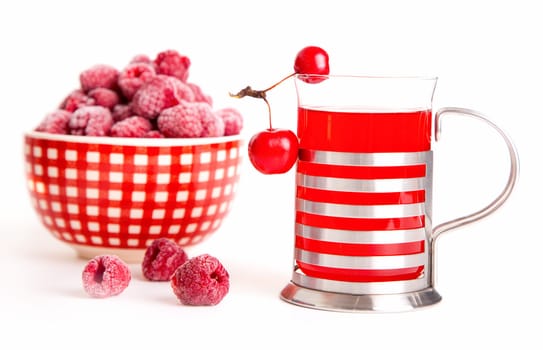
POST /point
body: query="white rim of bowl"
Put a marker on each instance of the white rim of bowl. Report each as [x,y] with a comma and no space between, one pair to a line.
[133,141]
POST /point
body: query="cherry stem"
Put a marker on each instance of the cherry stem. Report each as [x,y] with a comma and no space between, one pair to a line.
[269,112]
[249,91]
[280,81]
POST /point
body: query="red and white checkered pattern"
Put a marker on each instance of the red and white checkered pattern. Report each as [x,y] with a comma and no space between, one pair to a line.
[124,196]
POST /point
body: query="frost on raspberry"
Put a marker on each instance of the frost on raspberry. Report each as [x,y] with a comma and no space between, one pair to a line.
[75,99]
[182,90]
[100,75]
[154,134]
[132,77]
[105,276]
[55,122]
[172,63]
[121,112]
[199,94]
[134,126]
[141,58]
[91,121]
[233,121]
[157,94]
[200,281]
[182,120]
[161,259]
[104,97]
[212,124]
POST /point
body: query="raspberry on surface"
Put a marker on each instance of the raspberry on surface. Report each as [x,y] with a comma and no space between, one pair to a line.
[161,259]
[212,124]
[105,276]
[172,63]
[91,121]
[100,75]
[134,126]
[55,122]
[199,95]
[133,76]
[182,120]
[154,96]
[75,99]
[201,281]
[104,97]
[233,120]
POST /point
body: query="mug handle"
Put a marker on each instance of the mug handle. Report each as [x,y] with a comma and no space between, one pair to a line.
[502,197]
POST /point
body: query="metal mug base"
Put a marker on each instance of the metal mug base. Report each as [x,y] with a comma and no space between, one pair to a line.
[329,301]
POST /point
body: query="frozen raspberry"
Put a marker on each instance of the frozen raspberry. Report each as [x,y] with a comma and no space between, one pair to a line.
[76,99]
[134,126]
[202,280]
[100,75]
[161,259]
[233,121]
[182,90]
[104,97]
[141,58]
[154,134]
[91,121]
[133,77]
[121,112]
[170,62]
[156,95]
[55,122]
[213,125]
[183,120]
[199,95]
[105,276]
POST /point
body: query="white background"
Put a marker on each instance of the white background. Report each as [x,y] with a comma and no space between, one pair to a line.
[487,56]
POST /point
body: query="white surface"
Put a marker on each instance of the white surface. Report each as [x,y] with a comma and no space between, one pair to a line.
[488,58]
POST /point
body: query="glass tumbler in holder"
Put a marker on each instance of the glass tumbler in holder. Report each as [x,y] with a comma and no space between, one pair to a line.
[363,234]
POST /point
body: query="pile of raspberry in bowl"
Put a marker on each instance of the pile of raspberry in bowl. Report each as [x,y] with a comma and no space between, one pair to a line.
[112,191]
[148,98]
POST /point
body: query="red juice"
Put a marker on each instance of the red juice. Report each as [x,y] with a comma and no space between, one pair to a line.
[372,131]
[336,204]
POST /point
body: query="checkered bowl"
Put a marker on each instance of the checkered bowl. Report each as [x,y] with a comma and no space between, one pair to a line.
[108,195]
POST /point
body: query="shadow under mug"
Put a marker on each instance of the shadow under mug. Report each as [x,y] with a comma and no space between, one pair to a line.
[363,238]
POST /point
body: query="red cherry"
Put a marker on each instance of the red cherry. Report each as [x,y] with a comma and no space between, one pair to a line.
[273,151]
[312,60]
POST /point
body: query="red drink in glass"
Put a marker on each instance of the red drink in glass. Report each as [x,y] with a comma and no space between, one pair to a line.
[356,134]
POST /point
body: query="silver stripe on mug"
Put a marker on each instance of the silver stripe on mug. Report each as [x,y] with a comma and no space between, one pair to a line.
[364,159]
[358,288]
[360,211]
[349,236]
[355,185]
[360,262]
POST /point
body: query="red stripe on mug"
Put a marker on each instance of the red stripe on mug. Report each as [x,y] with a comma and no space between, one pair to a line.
[360,198]
[359,275]
[361,172]
[360,224]
[359,249]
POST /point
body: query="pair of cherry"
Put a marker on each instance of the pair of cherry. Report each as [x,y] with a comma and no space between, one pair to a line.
[275,150]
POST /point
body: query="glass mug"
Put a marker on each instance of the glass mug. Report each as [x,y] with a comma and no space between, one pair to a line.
[364,239]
